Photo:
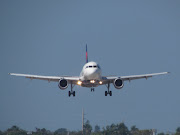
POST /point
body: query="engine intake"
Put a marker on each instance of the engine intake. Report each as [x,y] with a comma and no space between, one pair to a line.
[118,83]
[63,84]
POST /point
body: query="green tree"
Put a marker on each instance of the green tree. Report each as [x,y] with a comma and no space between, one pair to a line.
[87,128]
[97,128]
[145,132]
[134,130]
[119,129]
[76,133]
[42,131]
[14,130]
[161,133]
[1,133]
[122,129]
[61,131]
[178,131]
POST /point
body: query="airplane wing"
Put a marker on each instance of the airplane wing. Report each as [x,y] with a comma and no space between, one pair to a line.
[132,77]
[72,79]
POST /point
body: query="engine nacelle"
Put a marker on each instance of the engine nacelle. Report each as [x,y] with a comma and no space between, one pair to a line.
[118,83]
[63,84]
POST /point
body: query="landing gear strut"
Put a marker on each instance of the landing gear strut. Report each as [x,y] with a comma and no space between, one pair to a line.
[108,92]
[71,92]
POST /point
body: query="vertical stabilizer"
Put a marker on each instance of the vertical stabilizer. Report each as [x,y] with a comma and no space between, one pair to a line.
[86,54]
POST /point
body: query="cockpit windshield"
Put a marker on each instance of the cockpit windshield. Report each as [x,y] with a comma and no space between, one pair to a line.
[93,66]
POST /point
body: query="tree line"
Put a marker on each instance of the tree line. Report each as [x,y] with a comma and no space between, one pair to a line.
[113,129]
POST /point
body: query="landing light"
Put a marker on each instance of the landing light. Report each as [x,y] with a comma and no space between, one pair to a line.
[100,82]
[92,81]
[79,82]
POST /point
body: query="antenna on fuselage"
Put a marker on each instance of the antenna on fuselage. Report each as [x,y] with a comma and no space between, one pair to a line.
[86,54]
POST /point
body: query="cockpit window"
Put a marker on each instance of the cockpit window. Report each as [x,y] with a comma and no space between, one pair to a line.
[91,66]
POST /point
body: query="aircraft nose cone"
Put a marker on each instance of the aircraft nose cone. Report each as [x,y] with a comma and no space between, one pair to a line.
[93,74]
[95,71]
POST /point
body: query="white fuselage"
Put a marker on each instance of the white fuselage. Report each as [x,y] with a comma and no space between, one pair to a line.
[91,71]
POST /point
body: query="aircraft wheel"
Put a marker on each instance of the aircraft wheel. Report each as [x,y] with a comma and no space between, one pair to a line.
[110,93]
[105,93]
[92,89]
[74,94]
[69,94]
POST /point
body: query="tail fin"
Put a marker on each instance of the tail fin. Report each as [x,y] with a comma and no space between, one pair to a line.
[86,54]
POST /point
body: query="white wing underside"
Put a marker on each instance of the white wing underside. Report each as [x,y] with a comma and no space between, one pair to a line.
[133,77]
[74,79]
[48,78]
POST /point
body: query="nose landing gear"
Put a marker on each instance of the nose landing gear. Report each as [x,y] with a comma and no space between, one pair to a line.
[92,89]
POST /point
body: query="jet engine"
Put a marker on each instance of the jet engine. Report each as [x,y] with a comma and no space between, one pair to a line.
[118,83]
[63,84]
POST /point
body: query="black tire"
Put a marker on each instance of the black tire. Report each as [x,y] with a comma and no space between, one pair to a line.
[105,93]
[69,94]
[110,93]
[74,94]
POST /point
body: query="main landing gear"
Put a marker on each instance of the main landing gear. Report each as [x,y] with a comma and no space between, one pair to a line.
[71,92]
[108,92]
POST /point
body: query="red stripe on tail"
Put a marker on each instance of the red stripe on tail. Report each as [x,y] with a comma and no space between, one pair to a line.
[86,55]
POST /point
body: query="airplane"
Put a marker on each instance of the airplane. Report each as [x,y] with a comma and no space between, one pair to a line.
[91,77]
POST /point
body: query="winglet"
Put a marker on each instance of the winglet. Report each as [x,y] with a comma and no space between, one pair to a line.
[86,54]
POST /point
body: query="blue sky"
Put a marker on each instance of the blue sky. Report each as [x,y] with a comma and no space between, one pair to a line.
[124,37]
